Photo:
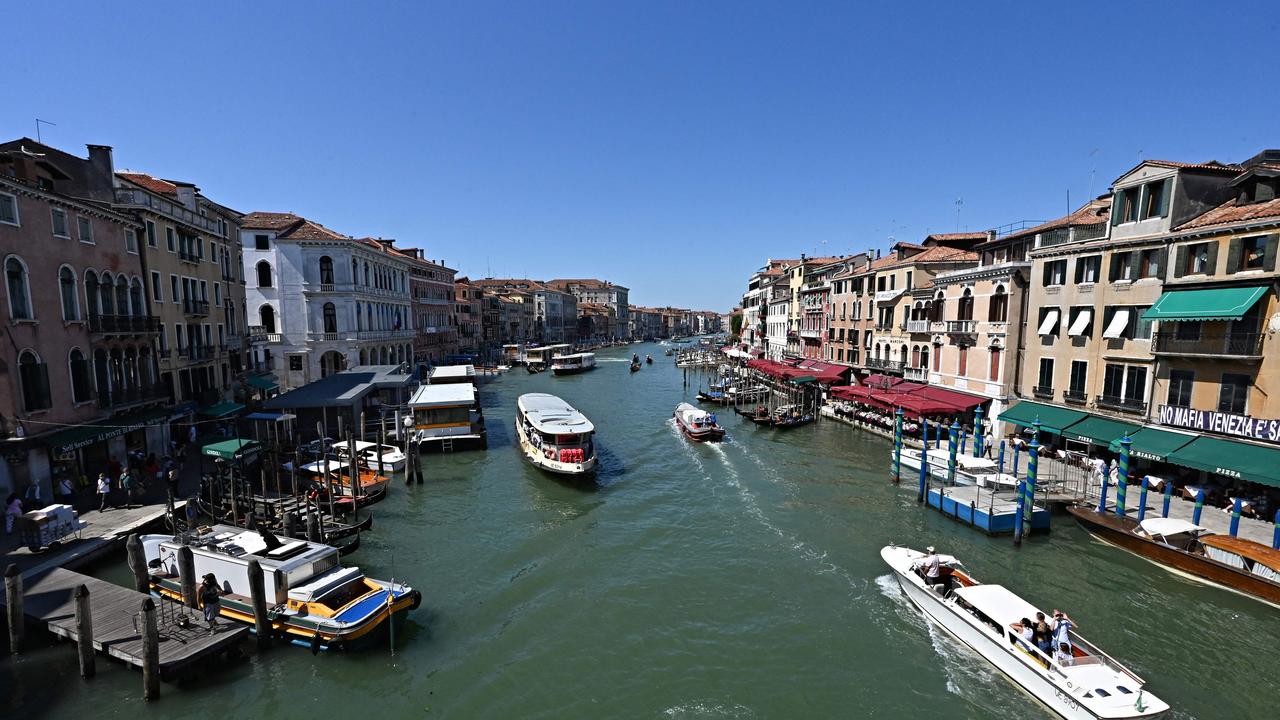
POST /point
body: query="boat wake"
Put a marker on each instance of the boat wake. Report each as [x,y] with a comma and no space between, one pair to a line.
[709,709]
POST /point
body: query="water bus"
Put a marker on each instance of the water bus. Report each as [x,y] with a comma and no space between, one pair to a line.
[573,364]
[539,358]
[554,436]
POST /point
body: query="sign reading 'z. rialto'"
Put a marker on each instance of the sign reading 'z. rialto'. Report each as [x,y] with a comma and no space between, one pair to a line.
[1241,426]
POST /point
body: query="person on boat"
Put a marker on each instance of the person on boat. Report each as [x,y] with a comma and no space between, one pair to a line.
[1063,655]
[1026,633]
[1062,629]
[210,599]
[1043,634]
[930,566]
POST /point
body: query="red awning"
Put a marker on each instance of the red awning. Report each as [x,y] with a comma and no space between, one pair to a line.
[958,401]
[882,381]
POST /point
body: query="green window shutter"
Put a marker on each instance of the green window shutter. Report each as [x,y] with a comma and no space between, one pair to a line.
[1165,193]
[1211,264]
[1162,259]
[1269,262]
[1117,208]
[1143,201]
[1180,267]
[1233,255]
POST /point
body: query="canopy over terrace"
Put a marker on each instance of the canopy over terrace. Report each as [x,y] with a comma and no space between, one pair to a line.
[915,399]
[821,372]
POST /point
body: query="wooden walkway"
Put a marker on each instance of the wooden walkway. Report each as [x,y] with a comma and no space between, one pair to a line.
[49,598]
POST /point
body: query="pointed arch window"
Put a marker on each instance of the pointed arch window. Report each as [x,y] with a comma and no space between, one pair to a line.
[19,286]
[67,291]
[267,316]
[264,274]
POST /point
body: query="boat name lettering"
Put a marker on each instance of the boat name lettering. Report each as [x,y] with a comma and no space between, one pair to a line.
[1241,426]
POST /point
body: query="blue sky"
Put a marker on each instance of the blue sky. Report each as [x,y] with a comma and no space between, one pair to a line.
[670,147]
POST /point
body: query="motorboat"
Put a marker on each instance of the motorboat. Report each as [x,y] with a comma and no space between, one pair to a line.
[751,393]
[697,424]
[1180,546]
[311,599]
[573,364]
[1087,685]
[369,483]
[970,469]
[554,436]
[373,456]
[713,396]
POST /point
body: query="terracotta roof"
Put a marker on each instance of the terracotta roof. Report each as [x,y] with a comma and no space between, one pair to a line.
[956,236]
[310,230]
[1208,165]
[514,283]
[154,184]
[268,221]
[1094,212]
[1229,212]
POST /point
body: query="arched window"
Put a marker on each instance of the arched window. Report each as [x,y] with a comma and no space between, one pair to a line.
[359,321]
[91,293]
[122,295]
[964,310]
[924,357]
[34,378]
[135,297]
[999,308]
[915,356]
[355,271]
[15,273]
[366,273]
[326,270]
[67,290]
[364,357]
[106,294]
[264,274]
[100,375]
[267,317]
[79,366]
[330,318]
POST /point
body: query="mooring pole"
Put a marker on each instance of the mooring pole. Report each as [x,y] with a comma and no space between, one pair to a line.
[313,525]
[137,563]
[1168,495]
[187,577]
[1000,458]
[1195,514]
[13,605]
[1142,499]
[952,449]
[150,651]
[897,445]
[1122,474]
[258,595]
[924,463]
[1236,506]
[84,632]
[1017,515]
[1033,475]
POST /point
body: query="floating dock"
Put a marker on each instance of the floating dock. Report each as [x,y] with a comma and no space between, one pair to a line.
[992,512]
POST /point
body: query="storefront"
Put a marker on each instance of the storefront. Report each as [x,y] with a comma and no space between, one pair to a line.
[84,451]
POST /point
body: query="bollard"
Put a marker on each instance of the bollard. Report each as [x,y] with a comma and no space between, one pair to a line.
[138,564]
[1168,495]
[258,595]
[1142,500]
[84,632]
[897,446]
[1195,514]
[313,526]
[952,449]
[1017,515]
[150,651]
[13,606]
[250,520]
[187,577]
[1235,516]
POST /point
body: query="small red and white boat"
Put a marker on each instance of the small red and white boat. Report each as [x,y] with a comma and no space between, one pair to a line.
[696,424]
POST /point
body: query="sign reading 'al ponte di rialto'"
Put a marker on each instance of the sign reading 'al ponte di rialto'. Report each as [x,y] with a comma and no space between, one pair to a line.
[1241,426]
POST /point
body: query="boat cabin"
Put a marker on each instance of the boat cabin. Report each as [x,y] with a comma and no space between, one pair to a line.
[1175,533]
[440,411]
[543,355]
[1243,554]
[552,424]
[447,374]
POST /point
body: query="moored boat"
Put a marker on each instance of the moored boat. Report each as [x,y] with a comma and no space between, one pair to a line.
[1083,683]
[554,436]
[573,364]
[1180,546]
[369,484]
[697,424]
[970,470]
[447,417]
[789,416]
[313,601]
[372,455]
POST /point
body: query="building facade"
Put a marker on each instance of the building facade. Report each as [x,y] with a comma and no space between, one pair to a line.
[601,292]
[435,322]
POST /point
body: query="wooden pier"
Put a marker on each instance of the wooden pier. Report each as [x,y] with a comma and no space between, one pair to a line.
[49,598]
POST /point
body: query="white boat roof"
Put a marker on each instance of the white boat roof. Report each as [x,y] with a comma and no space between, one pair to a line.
[691,411]
[582,355]
[545,348]
[446,395]
[998,603]
[453,372]
[549,414]
[1169,526]
[366,445]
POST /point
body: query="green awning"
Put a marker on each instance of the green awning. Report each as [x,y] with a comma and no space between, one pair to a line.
[85,435]
[1231,459]
[221,409]
[232,449]
[1153,444]
[1053,419]
[263,383]
[1228,303]
[1099,430]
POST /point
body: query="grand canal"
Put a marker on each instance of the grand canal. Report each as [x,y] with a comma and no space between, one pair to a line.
[734,581]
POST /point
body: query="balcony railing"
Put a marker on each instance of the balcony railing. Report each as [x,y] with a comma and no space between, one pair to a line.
[962,327]
[1237,344]
[199,352]
[1123,404]
[259,334]
[1042,391]
[128,396]
[123,324]
[937,326]
[811,334]
[916,373]
[324,336]
[143,199]
[879,364]
[188,256]
[917,326]
[381,334]
[195,307]
[1075,396]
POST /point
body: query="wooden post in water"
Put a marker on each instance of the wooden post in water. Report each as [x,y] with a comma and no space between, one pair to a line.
[137,563]
[313,525]
[361,426]
[290,524]
[258,595]
[187,577]
[13,605]
[150,651]
[924,462]
[84,632]
[897,445]
[1017,516]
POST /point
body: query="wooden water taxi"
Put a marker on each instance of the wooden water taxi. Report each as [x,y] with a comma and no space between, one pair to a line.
[1081,684]
[311,599]
[554,436]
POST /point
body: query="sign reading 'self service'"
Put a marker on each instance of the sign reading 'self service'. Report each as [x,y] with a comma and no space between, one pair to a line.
[1241,426]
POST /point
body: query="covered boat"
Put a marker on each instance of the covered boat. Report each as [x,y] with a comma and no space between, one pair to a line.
[573,364]
[1178,545]
[554,436]
[373,456]
[312,600]
[1085,684]
[697,424]
[970,469]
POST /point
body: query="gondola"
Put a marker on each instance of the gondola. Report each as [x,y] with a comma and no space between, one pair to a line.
[348,548]
[648,359]
[533,369]
[635,366]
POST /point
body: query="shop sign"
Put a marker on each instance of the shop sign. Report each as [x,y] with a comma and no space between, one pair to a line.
[1239,426]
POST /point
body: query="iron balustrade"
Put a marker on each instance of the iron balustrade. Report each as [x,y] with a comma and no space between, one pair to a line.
[124,324]
[195,307]
[1124,404]
[1075,396]
[1043,391]
[1239,344]
[117,397]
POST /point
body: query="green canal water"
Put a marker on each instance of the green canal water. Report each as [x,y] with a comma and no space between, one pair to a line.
[740,580]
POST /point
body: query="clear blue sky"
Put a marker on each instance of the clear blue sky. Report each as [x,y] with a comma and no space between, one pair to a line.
[670,147]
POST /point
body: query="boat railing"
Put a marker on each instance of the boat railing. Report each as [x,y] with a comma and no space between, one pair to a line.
[1095,656]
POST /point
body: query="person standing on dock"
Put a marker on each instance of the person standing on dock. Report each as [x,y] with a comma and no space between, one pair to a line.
[210,600]
[127,483]
[66,491]
[12,510]
[104,491]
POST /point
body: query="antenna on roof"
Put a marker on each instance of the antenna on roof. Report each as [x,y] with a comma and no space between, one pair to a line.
[1093,168]
[46,122]
[959,204]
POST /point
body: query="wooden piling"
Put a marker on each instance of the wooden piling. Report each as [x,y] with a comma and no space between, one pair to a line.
[150,651]
[290,524]
[138,564]
[313,526]
[13,603]
[187,577]
[258,595]
[84,632]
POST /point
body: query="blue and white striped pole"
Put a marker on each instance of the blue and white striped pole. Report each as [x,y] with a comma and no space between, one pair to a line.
[924,462]
[1235,517]
[1000,455]
[1033,470]
[1017,451]
[1195,514]
[1102,490]
[1168,495]
[1142,499]
[952,448]
[897,446]
[1017,516]
[1122,474]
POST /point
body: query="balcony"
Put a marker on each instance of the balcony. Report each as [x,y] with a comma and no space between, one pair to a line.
[172,210]
[381,334]
[937,326]
[890,365]
[324,336]
[121,397]
[809,334]
[1123,404]
[962,327]
[188,256]
[123,324]
[1077,397]
[1231,344]
[259,334]
[198,308]
[1043,392]
[196,353]
[918,374]
[917,326]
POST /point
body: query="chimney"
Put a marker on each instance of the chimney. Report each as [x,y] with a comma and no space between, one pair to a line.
[101,180]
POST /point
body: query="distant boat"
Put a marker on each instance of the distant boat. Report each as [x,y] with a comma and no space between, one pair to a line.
[392,458]
[573,364]
[648,359]
[635,366]
[554,436]
[696,424]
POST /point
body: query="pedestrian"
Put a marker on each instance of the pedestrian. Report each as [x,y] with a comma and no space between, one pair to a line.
[32,500]
[987,441]
[210,600]
[127,483]
[104,491]
[12,510]
[171,482]
[66,491]
[191,434]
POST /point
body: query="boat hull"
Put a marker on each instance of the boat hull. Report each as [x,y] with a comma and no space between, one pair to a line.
[558,371]
[1119,531]
[712,434]
[538,458]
